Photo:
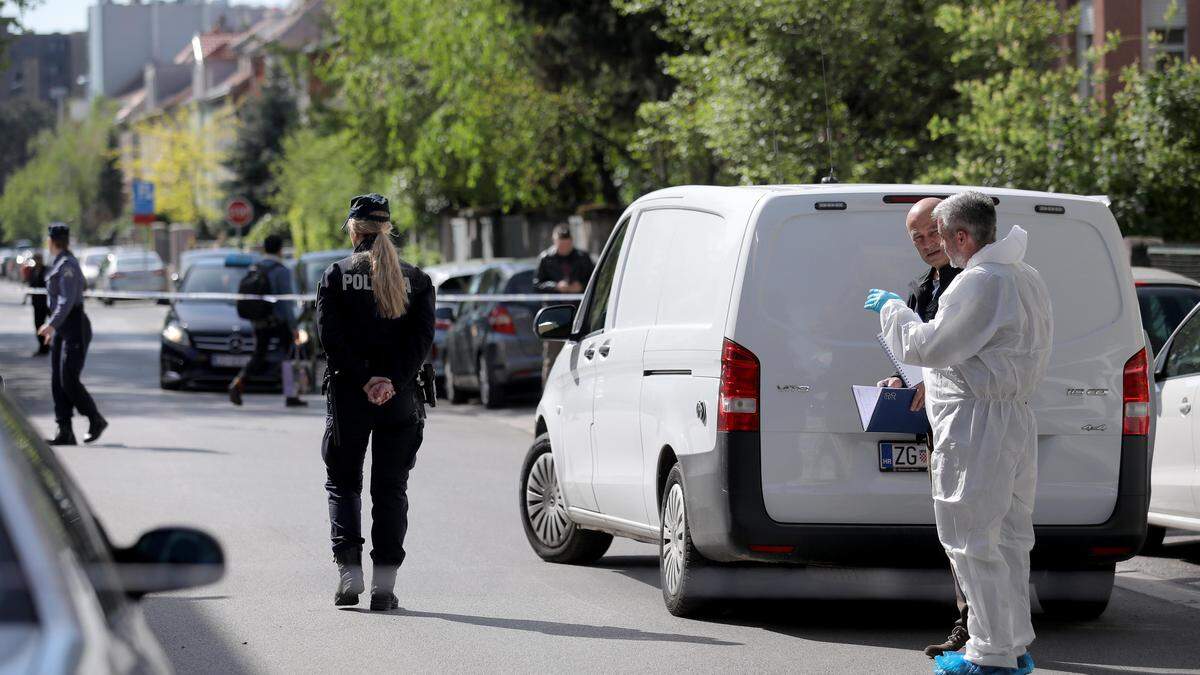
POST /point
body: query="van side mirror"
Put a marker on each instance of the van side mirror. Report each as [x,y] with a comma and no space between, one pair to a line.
[554,322]
[169,559]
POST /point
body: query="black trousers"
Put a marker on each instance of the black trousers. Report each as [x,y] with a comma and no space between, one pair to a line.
[395,431]
[259,363]
[68,354]
[40,312]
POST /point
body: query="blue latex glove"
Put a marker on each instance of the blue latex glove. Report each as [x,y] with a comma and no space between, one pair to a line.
[877,298]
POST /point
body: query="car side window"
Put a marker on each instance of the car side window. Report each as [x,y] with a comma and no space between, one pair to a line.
[64,511]
[1184,357]
[602,281]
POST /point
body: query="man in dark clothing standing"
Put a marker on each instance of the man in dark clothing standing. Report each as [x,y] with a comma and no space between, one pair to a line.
[280,326]
[37,280]
[69,333]
[924,292]
[561,269]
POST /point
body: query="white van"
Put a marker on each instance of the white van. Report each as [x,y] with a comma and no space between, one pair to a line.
[703,398]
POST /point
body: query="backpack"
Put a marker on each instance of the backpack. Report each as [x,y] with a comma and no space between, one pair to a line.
[256,282]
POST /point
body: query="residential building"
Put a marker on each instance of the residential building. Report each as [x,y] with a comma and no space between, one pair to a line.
[48,68]
[1148,30]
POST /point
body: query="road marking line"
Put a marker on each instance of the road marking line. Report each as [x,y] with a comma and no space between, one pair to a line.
[1162,589]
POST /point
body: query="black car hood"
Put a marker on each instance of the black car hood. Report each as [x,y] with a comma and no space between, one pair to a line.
[211,317]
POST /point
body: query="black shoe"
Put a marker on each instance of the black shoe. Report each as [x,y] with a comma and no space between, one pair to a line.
[235,391]
[40,352]
[63,438]
[383,580]
[350,578]
[956,641]
[295,402]
[95,428]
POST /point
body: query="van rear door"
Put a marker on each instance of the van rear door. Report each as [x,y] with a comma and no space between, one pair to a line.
[800,311]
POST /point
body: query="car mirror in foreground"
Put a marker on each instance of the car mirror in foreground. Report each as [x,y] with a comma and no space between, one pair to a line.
[170,559]
[554,322]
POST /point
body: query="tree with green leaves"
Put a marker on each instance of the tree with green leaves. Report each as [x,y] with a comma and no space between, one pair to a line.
[262,123]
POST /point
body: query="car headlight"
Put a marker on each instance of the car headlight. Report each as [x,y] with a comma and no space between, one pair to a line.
[302,337]
[175,333]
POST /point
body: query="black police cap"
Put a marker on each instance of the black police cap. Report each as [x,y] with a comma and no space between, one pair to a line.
[370,207]
[58,231]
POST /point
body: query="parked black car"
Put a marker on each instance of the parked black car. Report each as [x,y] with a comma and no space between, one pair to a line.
[68,597]
[308,271]
[204,342]
[491,348]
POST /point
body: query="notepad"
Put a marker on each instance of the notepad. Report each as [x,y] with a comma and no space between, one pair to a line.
[887,410]
[911,375]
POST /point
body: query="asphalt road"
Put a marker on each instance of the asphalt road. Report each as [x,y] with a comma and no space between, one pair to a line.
[474,597]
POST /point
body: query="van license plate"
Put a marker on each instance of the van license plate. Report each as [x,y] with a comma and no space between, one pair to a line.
[903,456]
[230,360]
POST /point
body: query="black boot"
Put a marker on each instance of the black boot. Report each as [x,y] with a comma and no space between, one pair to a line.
[295,402]
[235,391]
[65,436]
[957,640]
[350,578]
[383,580]
[96,426]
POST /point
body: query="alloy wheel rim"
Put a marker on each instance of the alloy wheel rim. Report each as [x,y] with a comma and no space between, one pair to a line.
[674,534]
[544,508]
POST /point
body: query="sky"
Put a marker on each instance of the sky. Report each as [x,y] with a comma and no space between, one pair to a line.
[68,16]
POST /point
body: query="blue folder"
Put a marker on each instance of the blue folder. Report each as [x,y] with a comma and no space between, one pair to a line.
[887,410]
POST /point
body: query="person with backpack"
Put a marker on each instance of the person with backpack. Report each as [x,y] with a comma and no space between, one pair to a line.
[272,321]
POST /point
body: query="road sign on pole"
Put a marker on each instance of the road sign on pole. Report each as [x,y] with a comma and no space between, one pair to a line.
[143,202]
[239,212]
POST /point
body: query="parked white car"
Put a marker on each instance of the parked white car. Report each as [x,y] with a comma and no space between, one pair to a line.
[1175,476]
[703,398]
[132,270]
[90,261]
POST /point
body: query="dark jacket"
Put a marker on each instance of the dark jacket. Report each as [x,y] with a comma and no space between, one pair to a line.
[922,299]
[553,268]
[359,343]
[280,277]
[64,288]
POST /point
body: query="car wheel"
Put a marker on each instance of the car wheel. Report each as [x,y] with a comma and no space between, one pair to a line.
[1154,539]
[454,393]
[678,559]
[1078,595]
[489,391]
[548,527]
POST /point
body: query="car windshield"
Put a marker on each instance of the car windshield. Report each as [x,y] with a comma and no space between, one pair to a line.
[314,268]
[15,604]
[1163,308]
[138,261]
[455,285]
[521,282]
[213,279]
[94,258]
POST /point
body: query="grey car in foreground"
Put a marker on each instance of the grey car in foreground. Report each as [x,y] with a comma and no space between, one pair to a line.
[68,597]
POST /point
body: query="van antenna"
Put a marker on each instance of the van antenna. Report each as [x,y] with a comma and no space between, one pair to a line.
[831,178]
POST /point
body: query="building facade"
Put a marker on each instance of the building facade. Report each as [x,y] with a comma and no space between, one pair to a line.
[1147,28]
[47,68]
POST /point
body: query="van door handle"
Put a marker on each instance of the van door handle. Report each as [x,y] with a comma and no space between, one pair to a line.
[604,349]
[589,352]
[1185,407]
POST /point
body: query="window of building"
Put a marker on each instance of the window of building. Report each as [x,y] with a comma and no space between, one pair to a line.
[1168,45]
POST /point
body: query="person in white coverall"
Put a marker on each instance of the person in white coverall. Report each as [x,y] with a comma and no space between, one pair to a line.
[984,354]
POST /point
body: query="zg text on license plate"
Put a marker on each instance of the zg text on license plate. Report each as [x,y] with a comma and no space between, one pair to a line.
[903,456]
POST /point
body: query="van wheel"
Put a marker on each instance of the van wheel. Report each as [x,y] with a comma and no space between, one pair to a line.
[454,393]
[678,559]
[548,527]
[1078,595]
[1154,539]
[489,392]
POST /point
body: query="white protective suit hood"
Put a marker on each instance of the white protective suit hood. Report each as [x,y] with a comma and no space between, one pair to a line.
[984,354]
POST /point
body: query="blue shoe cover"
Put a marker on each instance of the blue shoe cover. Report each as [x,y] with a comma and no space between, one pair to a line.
[954,663]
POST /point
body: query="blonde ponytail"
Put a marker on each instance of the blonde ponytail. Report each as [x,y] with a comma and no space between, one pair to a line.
[387,279]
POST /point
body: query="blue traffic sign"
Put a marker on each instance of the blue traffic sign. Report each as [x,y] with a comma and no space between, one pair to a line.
[143,200]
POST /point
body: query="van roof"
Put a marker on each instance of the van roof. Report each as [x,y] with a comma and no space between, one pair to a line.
[757,191]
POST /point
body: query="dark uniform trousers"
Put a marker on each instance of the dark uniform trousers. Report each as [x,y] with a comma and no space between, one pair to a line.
[395,430]
[68,354]
[40,312]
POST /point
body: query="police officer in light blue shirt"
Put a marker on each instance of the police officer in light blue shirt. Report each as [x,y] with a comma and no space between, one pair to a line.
[68,332]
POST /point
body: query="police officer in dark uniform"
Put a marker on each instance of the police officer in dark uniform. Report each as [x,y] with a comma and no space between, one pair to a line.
[375,317]
[69,333]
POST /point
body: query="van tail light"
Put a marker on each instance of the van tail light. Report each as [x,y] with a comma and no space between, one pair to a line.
[1135,392]
[738,407]
[501,321]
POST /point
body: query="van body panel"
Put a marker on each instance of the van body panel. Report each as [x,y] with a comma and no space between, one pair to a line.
[670,421]
[805,275]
